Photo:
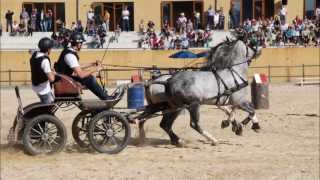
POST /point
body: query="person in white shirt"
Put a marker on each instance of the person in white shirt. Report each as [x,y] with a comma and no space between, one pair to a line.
[125,19]
[283,14]
[68,64]
[41,73]
[216,19]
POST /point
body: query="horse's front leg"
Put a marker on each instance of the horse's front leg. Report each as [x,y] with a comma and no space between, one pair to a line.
[228,111]
[194,123]
[248,107]
[231,111]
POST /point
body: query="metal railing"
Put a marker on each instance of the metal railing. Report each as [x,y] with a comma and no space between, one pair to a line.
[273,73]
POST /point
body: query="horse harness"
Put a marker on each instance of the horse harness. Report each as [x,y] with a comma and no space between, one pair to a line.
[238,85]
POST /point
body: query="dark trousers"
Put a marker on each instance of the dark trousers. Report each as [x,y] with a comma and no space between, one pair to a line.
[9,24]
[91,83]
[210,22]
[125,25]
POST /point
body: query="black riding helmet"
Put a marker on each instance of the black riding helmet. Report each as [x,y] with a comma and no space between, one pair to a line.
[45,44]
[77,38]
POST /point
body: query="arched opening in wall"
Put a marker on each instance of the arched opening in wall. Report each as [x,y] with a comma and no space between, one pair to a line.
[248,9]
[171,11]
[114,11]
[45,16]
[310,7]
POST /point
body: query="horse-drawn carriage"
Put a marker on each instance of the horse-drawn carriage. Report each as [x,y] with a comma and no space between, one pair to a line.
[41,131]
[220,82]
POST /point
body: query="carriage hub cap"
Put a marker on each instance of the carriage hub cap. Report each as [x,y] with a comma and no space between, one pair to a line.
[109,132]
[45,137]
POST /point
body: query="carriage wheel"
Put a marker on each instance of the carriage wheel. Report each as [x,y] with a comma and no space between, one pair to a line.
[109,132]
[80,128]
[44,134]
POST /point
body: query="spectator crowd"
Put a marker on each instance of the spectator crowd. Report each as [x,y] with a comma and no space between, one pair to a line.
[28,23]
[186,32]
[276,31]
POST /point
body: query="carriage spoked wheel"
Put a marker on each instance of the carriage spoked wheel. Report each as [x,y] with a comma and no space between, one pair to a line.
[109,132]
[80,128]
[44,134]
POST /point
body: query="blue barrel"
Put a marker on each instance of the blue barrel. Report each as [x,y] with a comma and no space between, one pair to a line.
[135,98]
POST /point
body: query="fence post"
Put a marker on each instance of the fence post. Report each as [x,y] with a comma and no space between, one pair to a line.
[303,73]
[269,73]
[9,77]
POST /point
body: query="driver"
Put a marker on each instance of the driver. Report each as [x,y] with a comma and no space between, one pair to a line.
[68,64]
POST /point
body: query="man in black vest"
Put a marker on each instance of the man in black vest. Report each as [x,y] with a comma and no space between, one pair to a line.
[68,64]
[41,73]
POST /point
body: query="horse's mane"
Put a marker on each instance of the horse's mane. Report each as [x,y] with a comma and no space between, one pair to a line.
[220,59]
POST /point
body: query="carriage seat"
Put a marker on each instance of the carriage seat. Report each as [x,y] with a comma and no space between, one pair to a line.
[66,88]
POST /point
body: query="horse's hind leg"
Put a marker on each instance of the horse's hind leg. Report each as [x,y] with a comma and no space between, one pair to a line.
[166,125]
[194,123]
[247,106]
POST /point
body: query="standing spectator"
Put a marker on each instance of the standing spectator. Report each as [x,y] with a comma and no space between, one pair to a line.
[197,20]
[24,17]
[90,19]
[30,28]
[49,20]
[125,19]
[79,27]
[210,17]
[189,26]
[38,19]
[182,23]
[0,29]
[42,21]
[106,19]
[216,20]
[33,21]
[221,19]
[317,13]
[9,15]
[283,14]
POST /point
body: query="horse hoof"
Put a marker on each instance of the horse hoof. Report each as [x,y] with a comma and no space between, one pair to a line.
[239,130]
[214,143]
[256,127]
[224,124]
[178,143]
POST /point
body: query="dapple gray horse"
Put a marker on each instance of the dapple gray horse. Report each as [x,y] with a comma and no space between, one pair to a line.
[220,82]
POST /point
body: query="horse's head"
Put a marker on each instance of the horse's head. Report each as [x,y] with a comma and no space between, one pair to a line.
[230,53]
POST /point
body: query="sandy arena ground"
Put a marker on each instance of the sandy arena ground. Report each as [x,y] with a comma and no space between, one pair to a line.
[286,148]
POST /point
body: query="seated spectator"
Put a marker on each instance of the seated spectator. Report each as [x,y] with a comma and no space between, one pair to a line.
[73,26]
[192,38]
[184,42]
[150,26]
[117,32]
[59,24]
[289,34]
